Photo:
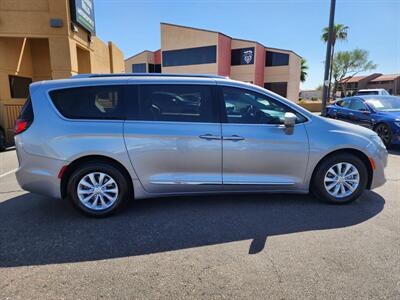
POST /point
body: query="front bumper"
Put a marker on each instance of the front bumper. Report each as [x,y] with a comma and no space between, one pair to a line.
[380,157]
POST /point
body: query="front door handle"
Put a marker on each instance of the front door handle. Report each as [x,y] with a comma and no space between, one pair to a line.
[233,138]
[209,136]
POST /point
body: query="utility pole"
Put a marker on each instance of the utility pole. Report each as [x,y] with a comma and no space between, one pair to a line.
[328,58]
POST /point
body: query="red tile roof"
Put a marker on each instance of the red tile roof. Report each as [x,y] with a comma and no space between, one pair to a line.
[353,79]
[387,77]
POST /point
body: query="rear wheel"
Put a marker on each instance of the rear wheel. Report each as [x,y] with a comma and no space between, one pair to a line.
[340,178]
[2,140]
[98,189]
[384,133]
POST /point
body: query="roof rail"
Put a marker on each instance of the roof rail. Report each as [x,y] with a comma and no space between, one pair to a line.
[145,75]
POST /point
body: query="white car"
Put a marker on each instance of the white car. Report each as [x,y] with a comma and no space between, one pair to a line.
[381,92]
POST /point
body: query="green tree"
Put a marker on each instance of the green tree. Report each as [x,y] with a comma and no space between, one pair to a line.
[339,34]
[346,64]
[304,69]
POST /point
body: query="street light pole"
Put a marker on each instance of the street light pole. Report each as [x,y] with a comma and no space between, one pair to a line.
[328,58]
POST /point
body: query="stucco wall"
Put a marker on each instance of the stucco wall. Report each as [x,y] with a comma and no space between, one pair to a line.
[49,53]
[146,57]
[224,55]
[176,37]
[289,74]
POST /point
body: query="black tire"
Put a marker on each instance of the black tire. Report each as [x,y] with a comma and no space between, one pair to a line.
[2,141]
[121,180]
[318,180]
[385,133]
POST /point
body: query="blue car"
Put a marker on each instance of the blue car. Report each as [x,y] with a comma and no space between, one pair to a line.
[379,113]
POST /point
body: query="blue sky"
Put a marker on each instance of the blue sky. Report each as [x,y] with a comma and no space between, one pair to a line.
[289,24]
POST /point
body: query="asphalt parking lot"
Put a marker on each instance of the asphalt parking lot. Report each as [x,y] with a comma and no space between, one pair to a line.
[235,247]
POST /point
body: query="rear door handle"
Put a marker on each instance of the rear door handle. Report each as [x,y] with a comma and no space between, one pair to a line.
[233,138]
[209,136]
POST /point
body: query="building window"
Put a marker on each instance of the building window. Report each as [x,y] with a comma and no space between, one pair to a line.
[192,56]
[276,59]
[244,56]
[279,88]
[139,68]
[154,68]
[19,86]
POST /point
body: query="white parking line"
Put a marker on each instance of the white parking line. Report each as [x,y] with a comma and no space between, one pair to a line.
[8,173]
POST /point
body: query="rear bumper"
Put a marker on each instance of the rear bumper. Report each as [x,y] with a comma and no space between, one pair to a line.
[39,174]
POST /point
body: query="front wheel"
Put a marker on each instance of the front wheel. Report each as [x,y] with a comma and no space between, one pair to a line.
[340,178]
[98,189]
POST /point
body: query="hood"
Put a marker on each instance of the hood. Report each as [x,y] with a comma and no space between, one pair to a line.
[338,125]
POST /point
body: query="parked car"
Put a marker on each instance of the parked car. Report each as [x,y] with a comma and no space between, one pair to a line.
[101,140]
[379,113]
[381,92]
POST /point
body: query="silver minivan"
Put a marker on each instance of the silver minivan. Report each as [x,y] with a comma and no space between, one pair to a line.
[101,140]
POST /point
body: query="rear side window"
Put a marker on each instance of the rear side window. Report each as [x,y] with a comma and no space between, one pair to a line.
[177,103]
[95,102]
[26,113]
[343,103]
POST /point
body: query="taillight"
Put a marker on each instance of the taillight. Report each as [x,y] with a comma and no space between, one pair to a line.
[21,126]
[25,118]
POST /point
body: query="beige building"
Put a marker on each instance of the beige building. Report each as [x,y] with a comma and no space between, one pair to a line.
[389,82]
[191,50]
[47,39]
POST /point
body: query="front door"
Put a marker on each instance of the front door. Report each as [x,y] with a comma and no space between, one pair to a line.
[360,113]
[258,151]
[174,138]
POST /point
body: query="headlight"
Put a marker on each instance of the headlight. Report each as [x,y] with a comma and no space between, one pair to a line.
[397,123]
[377,141]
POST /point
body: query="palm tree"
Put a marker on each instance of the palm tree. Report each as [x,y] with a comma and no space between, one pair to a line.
[304,68]
[339,33]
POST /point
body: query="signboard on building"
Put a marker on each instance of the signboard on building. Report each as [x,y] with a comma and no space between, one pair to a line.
[247,56]
[82,13]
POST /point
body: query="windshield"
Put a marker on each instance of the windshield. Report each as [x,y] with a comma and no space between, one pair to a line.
[368,93]
[385,104]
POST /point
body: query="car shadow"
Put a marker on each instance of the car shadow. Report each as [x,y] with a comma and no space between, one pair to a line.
[36,230]
[394,149]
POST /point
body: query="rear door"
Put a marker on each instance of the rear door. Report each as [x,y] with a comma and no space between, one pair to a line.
[173,137]
[258,151]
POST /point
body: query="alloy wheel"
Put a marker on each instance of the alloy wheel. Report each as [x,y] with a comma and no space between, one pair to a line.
[384,133]
[97,191]
[342,180]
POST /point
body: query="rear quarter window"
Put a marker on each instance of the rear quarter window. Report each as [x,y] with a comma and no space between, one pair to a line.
[94,102]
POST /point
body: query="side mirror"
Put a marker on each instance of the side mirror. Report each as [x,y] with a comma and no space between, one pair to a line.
[290,120]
